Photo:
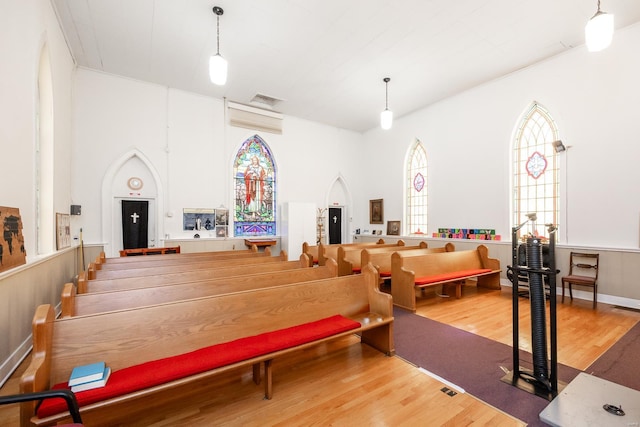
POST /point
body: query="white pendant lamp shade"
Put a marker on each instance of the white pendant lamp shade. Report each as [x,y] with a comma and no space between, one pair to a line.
[218,70]
[217,64]
[599,31]
[386,119]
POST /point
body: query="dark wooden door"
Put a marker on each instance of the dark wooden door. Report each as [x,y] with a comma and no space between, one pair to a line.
[335,225]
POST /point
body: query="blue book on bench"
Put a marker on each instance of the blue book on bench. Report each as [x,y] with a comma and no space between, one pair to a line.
[93,384]
[87,373]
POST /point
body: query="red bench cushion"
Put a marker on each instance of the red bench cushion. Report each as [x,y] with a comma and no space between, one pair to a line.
[385,274]
[450,276]
[149,374]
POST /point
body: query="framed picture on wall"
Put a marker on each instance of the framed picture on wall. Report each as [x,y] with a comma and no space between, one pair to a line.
[393,228]
[63,231]
[376,210]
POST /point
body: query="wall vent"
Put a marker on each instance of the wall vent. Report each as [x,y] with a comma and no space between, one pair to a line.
[249,117]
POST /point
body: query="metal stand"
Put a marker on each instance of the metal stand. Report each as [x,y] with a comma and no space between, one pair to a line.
[540,382]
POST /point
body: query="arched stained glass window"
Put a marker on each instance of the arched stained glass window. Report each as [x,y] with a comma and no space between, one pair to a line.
[535,171]
[416,190]
[255,189]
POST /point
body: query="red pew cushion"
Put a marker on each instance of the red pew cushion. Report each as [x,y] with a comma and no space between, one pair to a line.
[450,276]
[149,374]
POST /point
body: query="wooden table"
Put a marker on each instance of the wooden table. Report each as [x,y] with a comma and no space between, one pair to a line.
[260,243]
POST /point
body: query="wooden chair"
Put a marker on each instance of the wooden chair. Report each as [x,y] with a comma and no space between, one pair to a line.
[583,271]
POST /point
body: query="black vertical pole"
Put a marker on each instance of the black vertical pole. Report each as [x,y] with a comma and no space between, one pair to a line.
[514,302]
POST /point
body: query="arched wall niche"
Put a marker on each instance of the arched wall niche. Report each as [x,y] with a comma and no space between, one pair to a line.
[117,186]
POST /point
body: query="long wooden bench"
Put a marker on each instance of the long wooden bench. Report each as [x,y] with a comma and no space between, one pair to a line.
[179,259]
[125,298]
[380,258]
[409,273]
[331,251]
[349,257]
[105,285]
[167,351]
[93,273]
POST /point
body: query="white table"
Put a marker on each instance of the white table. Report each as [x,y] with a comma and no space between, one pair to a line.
[581,404]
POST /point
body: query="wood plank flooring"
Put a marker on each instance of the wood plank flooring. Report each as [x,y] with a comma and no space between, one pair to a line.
[345,383]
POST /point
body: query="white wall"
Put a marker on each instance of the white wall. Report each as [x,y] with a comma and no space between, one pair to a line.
[185,138]
[593,98]
[27,26]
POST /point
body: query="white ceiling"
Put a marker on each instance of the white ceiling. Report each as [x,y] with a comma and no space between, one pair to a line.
[326,58]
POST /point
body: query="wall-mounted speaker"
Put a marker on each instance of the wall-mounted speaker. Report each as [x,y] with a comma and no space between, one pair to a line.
[76,209]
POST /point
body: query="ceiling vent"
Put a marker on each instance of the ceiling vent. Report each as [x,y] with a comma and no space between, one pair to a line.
[250,117]
[264,101]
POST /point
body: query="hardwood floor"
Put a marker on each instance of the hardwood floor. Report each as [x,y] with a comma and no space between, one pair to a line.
[346,383]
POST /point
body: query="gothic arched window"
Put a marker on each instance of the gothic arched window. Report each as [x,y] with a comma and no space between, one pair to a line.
[535,171]
[254,175]
[416,190]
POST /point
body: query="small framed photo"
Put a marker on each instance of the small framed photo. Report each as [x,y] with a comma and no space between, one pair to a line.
[379,232]
[393,228]
[376,210]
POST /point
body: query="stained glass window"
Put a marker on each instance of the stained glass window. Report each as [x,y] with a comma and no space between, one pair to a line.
[535,171]
[416,190]
[255,189]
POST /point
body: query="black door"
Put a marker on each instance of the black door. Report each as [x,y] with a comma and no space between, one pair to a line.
[135,223]
[335,225]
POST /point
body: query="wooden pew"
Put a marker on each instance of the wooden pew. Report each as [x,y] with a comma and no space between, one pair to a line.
[409,273]
[331,251]
[349,257]
[253,327]
[105,285]
[311,252]
[141,262]
[196,265]
[102,258]
[120,299]
[380,258]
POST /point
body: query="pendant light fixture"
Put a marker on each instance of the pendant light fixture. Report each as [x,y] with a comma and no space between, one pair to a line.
[386,117]
[217,64]
[599,31]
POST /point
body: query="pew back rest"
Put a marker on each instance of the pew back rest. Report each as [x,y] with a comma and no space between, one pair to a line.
[349,257]
[106,285]
[380,258]
[178,259]
[146,271]
[129,337]
[100,302]
[331,251]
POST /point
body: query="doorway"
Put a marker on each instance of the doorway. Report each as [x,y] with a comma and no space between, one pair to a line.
[123,220]
[335,225]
